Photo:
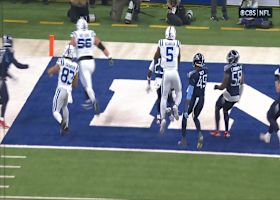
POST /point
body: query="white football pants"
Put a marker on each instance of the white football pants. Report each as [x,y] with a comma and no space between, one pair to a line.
[170,80]
[60,101]
[87,68]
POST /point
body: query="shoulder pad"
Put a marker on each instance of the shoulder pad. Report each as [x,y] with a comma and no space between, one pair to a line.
[227,67]
[191,73]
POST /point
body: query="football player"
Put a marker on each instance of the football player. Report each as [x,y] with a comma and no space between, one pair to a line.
[233,83]
[6,59]
[169,52]
[67,78]
[274,112]
[195,97]
[84,40]
[158,71]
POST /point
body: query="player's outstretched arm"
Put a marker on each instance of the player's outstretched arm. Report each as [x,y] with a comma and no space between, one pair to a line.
[54,69]
[16,63]
[98,43]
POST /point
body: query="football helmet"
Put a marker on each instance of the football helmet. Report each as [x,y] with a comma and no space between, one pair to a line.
[170,33]
[7,40]
[198,60]
[232,56]
[82,24]
[69,52]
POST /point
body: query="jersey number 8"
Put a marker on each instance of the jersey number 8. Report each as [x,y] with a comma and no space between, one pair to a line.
[236,78]
[64,76]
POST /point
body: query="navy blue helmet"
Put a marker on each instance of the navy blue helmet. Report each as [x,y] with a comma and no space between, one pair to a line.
[232,57]
[7,40]
[198,60]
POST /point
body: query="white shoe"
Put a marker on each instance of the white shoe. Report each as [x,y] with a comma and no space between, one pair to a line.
[176,112]
[265,137]
[87,105]
[162,126]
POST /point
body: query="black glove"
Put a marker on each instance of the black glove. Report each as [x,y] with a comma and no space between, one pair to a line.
[216,87]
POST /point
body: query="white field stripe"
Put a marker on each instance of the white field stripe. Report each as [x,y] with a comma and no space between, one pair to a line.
[15,157]
[6,177]
[145,150]
[55,198]
[10,166]
[3,187]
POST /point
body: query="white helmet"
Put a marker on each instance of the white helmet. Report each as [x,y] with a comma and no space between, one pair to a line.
[69,51]
[82,24]
[170,33]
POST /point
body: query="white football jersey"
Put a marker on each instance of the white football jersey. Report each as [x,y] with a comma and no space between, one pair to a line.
[84,42]
[169,51]
[68,70]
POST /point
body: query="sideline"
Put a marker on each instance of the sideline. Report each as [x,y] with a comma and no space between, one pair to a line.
[143,150]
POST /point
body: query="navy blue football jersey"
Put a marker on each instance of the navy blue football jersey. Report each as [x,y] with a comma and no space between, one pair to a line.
[7,58]
[234,72]
[198,79]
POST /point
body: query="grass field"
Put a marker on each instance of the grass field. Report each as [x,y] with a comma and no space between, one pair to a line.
[34,13]
[136,175]
[92,174]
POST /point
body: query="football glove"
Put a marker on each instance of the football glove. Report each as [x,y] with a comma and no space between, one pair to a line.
[216,87]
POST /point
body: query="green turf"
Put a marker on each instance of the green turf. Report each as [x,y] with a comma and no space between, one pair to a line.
[36,12]
[142,176]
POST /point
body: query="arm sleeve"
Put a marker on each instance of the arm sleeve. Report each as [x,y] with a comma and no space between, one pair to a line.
[15,62]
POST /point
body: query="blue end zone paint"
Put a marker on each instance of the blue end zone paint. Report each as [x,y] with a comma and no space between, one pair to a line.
[35,124]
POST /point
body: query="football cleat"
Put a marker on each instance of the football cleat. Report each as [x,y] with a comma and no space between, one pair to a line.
[63,128]
[3,124]
[226,134]
[162,126]
[214,18]
[158,119]
[265,137]
[175,112]
[215,133]
[182,142]
[96,108]
[87,105]
[200,141]
[169,113]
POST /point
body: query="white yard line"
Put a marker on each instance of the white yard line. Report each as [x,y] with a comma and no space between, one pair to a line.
[54,198]
[4,187]
[13,156]
[7,177]
[145,150]
[10,166]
